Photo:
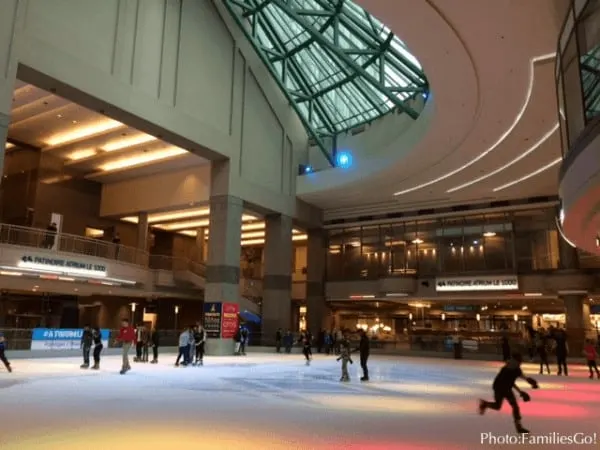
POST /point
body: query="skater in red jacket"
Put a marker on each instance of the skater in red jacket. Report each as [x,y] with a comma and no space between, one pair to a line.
[127,338]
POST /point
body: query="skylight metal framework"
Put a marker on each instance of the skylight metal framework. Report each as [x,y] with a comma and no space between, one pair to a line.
[339,66]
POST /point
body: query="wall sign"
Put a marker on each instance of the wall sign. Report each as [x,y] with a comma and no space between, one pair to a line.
[64,266]
[61,338]
[230,321]
[212,319]
[482,283]
[460,308]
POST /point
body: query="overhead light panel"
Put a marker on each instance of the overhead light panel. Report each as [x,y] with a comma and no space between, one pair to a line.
[9,145]
[489,234]
[57,179]
[120,144]
[83,132]
[529,175]
[184,225]
[81,154]
[144,158]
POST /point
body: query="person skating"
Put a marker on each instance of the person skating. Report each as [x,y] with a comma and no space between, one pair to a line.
[306,340]
[155,341]
[245,334]
[344,346]
[364,348]
[127,338]
[590,355]
[87,340]
[184,348]
[139,346]
[3,353]
[97,337]
[503,386]
[288,341]
[562,351]
[199,341]
[278,338]
[541,346]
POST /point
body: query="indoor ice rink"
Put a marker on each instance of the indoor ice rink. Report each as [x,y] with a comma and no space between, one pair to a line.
[265,401]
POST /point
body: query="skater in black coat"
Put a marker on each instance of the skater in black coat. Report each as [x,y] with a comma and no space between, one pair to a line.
[364,349]
[503,386]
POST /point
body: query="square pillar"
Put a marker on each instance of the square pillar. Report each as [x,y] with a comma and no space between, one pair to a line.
[201,243]
[317,312]
[223,264]
[277,278]
[578,323]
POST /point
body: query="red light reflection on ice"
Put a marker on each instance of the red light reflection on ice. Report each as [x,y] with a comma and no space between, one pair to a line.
[549,409]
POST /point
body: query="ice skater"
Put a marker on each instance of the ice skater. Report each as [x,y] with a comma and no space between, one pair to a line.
[199,341]
[2,353]
[86,346]
[155,340]
[364,348]
[541,343]
[184,348]
[562,351]
[127,338]
[306,340]
[503,386]
[97,337]
[591,354]
[344,346]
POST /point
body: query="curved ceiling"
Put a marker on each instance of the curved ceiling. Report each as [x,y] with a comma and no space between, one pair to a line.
[339,66]
[492,131]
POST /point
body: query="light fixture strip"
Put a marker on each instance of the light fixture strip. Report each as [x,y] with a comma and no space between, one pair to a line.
[529,175]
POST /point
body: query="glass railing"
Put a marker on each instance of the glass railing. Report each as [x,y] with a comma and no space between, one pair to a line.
[44,239]
[578,70]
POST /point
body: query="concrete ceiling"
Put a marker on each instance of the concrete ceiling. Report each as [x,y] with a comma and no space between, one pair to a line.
[493,128]
[86,143]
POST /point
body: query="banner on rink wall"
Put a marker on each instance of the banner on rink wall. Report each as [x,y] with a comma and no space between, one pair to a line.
[230,321]
[212,319]
[61,338]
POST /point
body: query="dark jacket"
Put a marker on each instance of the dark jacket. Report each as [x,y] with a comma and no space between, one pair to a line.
[87,338]
[364,347]
[155,339]
[506,378]
[97,336]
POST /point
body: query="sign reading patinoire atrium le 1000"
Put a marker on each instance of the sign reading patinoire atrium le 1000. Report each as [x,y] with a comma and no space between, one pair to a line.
[60,265]
[477,283]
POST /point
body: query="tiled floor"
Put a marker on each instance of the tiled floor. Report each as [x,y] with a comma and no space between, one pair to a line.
[276,402]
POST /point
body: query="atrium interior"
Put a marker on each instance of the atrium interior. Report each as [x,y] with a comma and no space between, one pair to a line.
[292,174]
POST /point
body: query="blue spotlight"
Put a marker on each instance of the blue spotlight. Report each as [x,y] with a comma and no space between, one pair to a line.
[344,160]
[308,169]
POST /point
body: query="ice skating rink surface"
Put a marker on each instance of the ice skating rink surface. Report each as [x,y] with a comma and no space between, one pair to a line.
[276,402]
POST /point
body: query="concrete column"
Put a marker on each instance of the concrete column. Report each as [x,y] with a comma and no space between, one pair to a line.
[4,122]
[223,265]
[578,323]
[277,278]
[316,308]
[200,243]
[568,257]
[142,232]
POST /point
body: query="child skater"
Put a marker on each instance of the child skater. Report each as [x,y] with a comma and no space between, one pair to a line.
[2,355]
[345,352]
[503,386]
[591,354]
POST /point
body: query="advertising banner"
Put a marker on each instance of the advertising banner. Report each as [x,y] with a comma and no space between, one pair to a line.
[61,338]
[212,319]
[230,321]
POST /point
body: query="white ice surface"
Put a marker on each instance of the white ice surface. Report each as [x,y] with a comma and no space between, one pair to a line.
[276,402]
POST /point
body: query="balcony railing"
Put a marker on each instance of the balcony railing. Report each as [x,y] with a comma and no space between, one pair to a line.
[63,242]
[174,264]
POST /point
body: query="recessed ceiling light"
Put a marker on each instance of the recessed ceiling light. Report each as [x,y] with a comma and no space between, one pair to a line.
[59,116]
[74,122]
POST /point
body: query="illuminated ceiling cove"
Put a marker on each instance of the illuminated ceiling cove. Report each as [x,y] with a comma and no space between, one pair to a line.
[189,221]
[339,66]
[88,144]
